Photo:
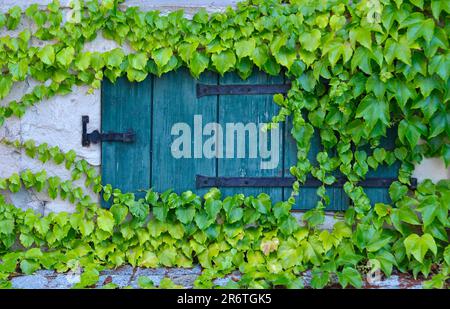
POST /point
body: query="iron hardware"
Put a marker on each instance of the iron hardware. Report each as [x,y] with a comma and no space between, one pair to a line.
[208,90]
[96,137]
[279,182]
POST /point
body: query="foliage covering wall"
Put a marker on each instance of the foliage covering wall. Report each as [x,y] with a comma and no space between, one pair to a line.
[386,63]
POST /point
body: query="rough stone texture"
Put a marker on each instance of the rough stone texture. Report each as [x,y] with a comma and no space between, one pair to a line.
[57,121]
[160,5]
[126,276]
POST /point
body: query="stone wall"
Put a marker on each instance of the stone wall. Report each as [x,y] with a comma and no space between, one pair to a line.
[57,121]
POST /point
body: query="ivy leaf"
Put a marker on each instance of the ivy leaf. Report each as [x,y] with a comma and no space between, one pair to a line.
[28,267]
[408,132]
[440,64]
[373,110]
[438,124]
[310,41]
[105,220]
[114,57]
[5,86]
[235,215]
[138,61]
[437,6]
[162,56]
[65,56]
[145,282]
[202,220]
[375,85]
[89,277]
[139,209]
[224,61]
[260,55]
[198,64]
[418,246]
[397,191]
[350,275]
[285,57]
[6,226]
[18,70]
[213,207]
[319,279]
[424,28]
[245,48]
[167,257]
[47,55]
[307,81]
[362,36]
[185,214]
[397,50]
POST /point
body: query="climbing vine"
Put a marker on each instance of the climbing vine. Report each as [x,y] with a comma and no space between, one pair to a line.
[358,68]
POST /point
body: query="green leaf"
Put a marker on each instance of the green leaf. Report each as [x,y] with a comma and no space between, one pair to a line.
[114,57]
[28,267]
[198,64]
[310,41]
[6,226]
[408,133]
[213,207]
[418,246]
[202,220]
[423,28]
[307,81]
[5,86]
[397,191]
[438,124]
[341,230]
[245,48]
[139,209]
[65,56]
[397,50]
[373,110]
[382,209]
[105,220]
[138,61]
[350,275]
[185,214]
[19,69]
[145,282]
[89,277]
[162,56]
[319,279]
[167,257]
[47,54]
[285,57]
[375,85]
[224,61]
[176,230]
[362,36]
[260,55]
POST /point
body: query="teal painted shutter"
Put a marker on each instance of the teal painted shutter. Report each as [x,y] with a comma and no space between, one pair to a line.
[246,109]
[175,101]
[126,106]
[151,108]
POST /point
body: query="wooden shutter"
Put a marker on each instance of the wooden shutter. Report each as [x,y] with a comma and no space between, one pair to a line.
[152,107]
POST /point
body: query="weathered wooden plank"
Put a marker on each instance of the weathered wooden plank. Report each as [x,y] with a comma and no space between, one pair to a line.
[246,109]
[126,106]
[175,101]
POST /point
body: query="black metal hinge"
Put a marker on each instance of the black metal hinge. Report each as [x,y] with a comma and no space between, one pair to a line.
[96,137]
[208,90]
[278,182]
